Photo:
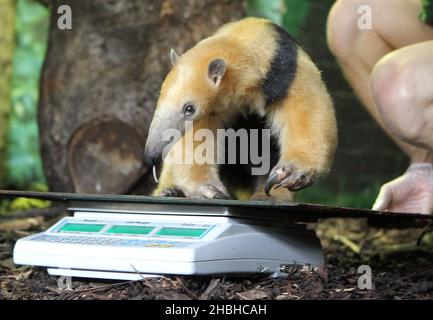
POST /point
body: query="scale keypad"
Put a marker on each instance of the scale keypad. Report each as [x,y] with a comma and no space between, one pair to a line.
[105,241]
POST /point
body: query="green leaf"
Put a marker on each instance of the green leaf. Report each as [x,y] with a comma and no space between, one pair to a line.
[26,204]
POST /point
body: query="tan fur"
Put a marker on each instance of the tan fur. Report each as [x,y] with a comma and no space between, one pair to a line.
[253,37]
[305,120]
[190,176]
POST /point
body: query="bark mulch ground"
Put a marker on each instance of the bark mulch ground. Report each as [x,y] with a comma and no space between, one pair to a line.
[401,268]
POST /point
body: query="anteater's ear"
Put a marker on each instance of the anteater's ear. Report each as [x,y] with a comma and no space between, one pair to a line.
[216,70]
[174,56]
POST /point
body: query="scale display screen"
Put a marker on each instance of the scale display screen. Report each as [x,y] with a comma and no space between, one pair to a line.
[181,232]
[109,228]
[81,227]
[125,229]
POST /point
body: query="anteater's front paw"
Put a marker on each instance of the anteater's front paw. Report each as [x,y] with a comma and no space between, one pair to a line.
[172,192]
[210,191]
[288,175]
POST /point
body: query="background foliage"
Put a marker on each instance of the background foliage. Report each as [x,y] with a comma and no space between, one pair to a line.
[288,13]
[23,159]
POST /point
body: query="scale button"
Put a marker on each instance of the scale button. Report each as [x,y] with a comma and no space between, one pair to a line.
[166,245]
[159,245]
[151,245]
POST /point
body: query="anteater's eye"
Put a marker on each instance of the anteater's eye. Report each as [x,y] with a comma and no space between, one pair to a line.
[188,110]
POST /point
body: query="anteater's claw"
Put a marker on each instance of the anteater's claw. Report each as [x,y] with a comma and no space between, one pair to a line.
[272,180]
[172,192]
[289,176]
[211,191]
[222,196]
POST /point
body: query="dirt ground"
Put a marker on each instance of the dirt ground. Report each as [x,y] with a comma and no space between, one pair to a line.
[401,269]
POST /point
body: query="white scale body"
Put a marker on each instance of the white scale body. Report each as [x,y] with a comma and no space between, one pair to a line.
[130,245]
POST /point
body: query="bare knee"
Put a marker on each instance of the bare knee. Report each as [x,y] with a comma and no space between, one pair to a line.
[399,105]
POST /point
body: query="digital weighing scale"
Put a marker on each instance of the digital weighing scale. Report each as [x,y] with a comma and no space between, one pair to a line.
[131,237]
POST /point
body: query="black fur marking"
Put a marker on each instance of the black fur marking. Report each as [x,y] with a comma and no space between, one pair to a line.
[238,176]
[282,72]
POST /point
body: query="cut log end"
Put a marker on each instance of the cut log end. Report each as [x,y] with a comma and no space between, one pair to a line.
[105,156]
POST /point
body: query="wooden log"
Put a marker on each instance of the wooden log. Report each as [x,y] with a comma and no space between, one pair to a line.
[101,80]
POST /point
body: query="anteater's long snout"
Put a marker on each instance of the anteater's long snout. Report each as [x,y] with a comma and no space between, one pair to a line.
[153,149]
[162,132]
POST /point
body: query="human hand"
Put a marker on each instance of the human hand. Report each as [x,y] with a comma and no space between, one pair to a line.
[411,193]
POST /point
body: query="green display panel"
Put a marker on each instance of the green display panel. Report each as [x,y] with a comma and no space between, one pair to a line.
[181,232]
[130,229]
[81,227]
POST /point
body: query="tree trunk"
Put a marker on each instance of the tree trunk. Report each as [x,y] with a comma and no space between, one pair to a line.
[101,80]
[7,41]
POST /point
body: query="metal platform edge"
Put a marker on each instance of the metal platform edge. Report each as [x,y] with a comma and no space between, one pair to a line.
[296,212]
